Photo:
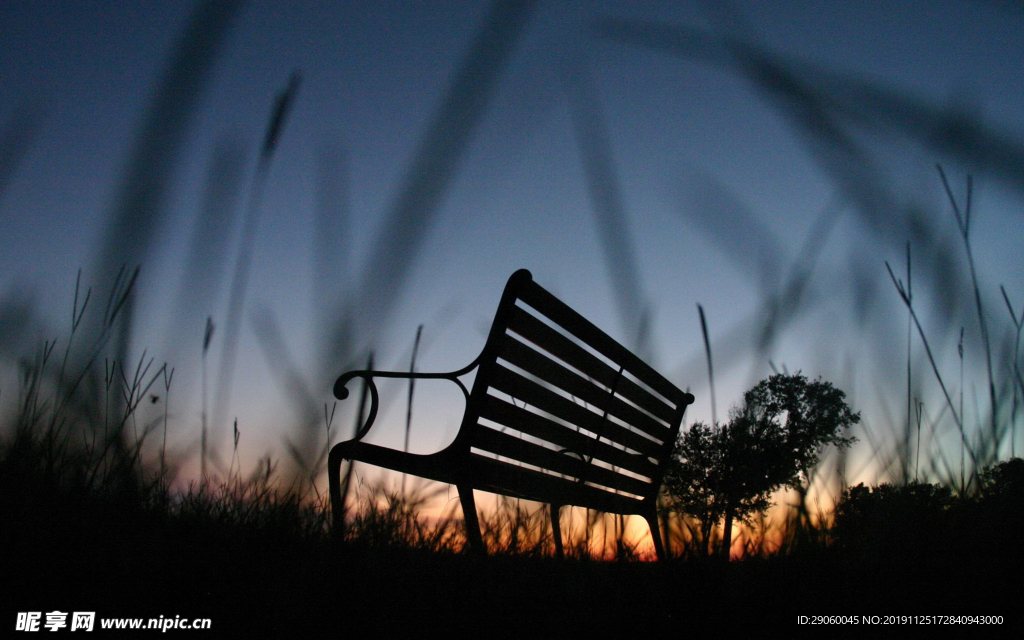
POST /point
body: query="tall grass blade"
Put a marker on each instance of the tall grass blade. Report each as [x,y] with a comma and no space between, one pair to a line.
[16,136]
[294,386]
[412,388]
[434,164]
[243,262]
[208,250]
[715,210]
[791,297]
[906,437]
[134,219]
[331,255]
[711,371]
[16,321]
[1016,384]
[814,105]
[282,105]
[779,308]
[275,350]
[964,224]
[609,210]
[963,441]
[957,417]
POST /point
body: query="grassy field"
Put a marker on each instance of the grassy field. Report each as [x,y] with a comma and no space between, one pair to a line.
[97,511]
[83,533]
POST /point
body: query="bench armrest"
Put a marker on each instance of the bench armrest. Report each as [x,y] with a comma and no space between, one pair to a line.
[341,390]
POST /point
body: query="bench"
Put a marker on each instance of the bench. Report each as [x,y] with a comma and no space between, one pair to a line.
[559,413]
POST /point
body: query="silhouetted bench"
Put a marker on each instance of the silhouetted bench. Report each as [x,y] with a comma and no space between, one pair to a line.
[559,413]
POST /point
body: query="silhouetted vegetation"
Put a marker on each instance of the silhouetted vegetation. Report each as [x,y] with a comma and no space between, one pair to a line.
[97,512]
[731,471]
[928,522]
[94,524]
[253,557]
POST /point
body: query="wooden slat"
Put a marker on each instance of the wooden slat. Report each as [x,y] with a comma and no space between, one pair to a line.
[550,371]
[533,454]
[537,297]
[545,337]
[504,413]
[507,479]
[528,391]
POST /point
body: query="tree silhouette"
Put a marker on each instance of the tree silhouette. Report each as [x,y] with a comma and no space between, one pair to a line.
[730,471]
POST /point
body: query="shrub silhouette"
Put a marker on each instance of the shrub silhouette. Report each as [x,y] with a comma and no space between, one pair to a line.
[730,471]
[1004,483]
[924,522]
[894,521]
[999,508]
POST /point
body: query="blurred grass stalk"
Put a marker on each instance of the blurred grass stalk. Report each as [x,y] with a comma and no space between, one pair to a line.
[366,309]
[140,203]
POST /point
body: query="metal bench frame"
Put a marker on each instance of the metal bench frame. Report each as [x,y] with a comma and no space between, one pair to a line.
[559,413]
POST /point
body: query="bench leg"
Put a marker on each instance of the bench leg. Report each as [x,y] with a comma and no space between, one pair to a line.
[659,547]
[334,460]
[556,529]
[476,541]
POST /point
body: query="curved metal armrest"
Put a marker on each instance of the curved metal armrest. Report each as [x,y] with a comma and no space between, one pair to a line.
[341,391]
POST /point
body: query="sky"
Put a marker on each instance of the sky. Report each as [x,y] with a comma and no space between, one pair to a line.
[635,156]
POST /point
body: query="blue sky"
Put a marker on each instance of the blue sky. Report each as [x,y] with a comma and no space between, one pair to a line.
[720,186]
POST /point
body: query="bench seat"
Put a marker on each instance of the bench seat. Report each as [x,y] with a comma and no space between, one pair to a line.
[559,413]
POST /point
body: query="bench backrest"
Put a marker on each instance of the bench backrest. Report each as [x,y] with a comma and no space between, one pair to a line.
[555,394]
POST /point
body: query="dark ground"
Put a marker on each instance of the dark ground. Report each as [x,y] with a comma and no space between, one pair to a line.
[124,561]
